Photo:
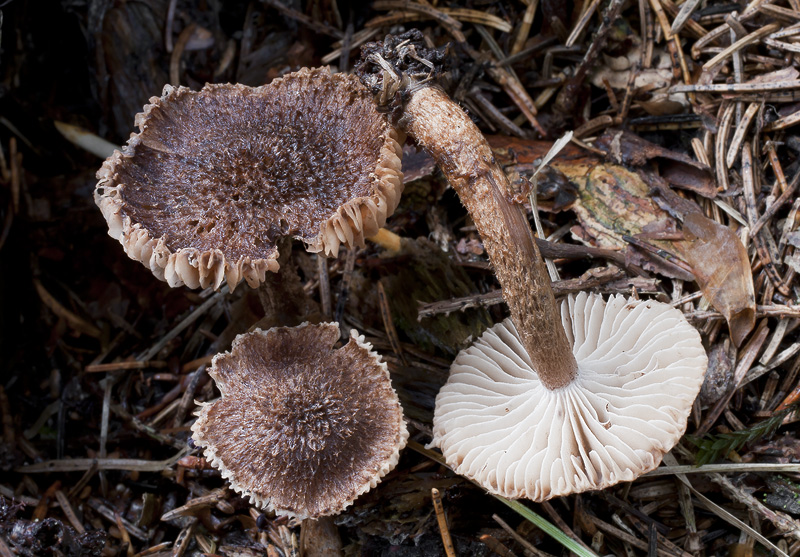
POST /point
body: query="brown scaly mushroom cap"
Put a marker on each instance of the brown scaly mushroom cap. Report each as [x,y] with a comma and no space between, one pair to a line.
[301,428]
[640,367]
[215,176]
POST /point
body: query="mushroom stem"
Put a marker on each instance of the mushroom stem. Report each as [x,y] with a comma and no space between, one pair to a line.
[442,128]
[387,239]
[282,296]
[320,538]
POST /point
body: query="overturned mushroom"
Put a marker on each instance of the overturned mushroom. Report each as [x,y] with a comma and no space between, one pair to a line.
[640,367]
[564,448]
[201,194]
[301,428]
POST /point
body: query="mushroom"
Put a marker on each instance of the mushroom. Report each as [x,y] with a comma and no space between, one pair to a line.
[208,190]
[301,428]
[533,367]
[201,194]
[640,367]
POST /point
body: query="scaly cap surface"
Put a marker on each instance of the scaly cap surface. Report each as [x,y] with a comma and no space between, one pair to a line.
[215,176]
[301,428]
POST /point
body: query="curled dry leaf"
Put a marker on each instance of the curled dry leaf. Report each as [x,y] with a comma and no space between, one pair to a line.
[722,270]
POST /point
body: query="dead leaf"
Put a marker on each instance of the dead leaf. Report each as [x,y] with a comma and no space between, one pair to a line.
[573,161]
[656,80]
[613,202]
[666,198]
[662,104]
[557,182]
[417,164]
[722,270]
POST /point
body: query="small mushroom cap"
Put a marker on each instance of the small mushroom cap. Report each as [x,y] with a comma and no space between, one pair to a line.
[215,176]
[301,429]
[640,367]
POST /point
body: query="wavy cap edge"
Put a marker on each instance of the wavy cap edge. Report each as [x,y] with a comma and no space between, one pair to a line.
[350,224]
[264,502]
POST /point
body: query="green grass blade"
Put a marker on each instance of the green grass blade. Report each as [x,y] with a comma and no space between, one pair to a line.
[521,509]
[547,527]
